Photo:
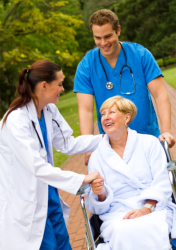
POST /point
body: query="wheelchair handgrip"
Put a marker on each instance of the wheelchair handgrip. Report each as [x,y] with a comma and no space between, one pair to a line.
[166,149]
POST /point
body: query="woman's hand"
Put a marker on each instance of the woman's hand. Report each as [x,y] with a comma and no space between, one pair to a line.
[136,213]
[98,186]
[90,177]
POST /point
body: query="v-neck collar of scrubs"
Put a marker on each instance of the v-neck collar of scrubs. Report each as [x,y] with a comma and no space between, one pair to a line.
[117,67]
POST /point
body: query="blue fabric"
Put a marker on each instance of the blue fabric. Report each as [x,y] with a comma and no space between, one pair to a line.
[173,243]
[43,130]
[55,235]
[90,79]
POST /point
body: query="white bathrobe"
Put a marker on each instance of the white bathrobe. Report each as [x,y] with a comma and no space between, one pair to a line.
[129,182]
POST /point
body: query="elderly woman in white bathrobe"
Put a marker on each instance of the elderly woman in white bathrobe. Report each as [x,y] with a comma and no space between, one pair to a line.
[134,199]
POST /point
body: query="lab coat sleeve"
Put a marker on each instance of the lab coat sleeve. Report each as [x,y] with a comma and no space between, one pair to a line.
[92,202]
[80,144]
[160,188]
[16,134]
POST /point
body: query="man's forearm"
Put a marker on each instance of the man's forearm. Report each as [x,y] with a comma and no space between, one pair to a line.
[86,122]
[86,114]
[164,113]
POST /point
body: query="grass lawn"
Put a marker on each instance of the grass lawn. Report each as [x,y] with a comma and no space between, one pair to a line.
[68,108]
[170,75]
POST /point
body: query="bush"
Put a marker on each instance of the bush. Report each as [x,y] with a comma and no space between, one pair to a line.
[163,62]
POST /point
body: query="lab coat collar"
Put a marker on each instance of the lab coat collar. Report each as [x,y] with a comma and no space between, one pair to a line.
[48,121]
[32,111]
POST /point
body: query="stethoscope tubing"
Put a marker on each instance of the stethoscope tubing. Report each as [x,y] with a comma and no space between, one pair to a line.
[41,144]
[125,65]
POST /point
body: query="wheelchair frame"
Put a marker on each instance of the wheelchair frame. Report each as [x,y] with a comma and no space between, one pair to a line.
[85,189]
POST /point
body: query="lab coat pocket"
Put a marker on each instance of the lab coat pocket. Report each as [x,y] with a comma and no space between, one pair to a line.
[22,211]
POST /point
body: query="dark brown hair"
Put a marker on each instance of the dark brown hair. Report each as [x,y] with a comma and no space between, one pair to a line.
[39,71]
[104,16]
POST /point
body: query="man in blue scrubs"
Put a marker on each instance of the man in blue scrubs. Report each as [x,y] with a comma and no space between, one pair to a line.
[104,63]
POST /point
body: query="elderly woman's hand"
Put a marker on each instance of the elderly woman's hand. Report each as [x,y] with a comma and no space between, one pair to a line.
[137,213]
[98,188]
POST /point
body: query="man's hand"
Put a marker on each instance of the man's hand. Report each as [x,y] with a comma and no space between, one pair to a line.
[168,137]
[136,213]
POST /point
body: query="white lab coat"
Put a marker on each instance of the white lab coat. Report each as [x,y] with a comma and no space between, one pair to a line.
[129,182]
[25,175]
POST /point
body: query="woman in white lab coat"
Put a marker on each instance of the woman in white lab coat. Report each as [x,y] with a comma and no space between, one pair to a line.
[31,217]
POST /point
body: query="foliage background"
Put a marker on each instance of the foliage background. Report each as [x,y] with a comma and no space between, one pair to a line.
[31,30]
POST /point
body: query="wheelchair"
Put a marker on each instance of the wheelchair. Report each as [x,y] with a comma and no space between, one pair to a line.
[93,223]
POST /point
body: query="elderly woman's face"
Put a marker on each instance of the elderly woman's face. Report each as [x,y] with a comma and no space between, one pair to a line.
[112,120]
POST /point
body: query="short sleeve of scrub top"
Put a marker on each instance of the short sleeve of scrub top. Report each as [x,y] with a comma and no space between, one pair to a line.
[150,67]
[82,82]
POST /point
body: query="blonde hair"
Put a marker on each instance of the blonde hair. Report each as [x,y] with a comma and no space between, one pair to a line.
[124,105]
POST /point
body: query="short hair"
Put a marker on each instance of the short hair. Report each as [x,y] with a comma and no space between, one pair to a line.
[124,105]
[104,16]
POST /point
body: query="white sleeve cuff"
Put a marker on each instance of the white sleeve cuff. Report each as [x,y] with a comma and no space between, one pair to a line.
[99,207]
[153,194]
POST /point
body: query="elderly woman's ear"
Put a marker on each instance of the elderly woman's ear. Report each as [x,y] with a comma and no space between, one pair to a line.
[127,119]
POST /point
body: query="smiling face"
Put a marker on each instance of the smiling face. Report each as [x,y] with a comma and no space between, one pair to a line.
[54,88]
[113,121]
[106,39]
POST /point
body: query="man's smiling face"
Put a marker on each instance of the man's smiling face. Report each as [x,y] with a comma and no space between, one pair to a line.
[106,39]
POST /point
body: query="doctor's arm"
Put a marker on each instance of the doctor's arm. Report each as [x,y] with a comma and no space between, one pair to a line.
[80,144]
[158,91]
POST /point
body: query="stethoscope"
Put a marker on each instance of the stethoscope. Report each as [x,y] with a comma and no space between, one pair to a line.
[43,152]
[109,85]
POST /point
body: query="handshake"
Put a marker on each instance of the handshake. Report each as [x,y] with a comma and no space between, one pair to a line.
[97,183]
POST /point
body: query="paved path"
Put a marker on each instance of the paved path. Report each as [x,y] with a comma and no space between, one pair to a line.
[75,163]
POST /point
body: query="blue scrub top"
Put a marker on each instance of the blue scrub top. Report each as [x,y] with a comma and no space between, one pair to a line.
[55,235]
[90,79]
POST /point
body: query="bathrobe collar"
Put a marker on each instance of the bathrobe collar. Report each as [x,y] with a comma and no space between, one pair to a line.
[114,161]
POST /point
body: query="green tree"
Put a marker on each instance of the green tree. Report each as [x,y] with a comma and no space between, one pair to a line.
[31,30]
[146,21]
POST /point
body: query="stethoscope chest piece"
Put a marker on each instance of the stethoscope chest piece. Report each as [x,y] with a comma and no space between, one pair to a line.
[109,85]
[43,152]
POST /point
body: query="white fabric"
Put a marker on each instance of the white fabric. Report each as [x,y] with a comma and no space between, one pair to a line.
[129,182]
[25,175]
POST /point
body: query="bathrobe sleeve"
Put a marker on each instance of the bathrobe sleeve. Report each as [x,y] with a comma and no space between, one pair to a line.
[92,203]
[160,188]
